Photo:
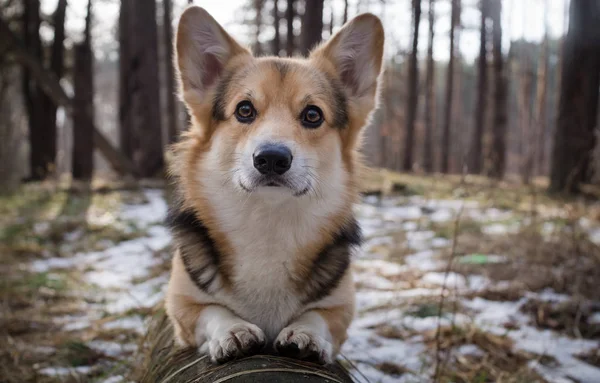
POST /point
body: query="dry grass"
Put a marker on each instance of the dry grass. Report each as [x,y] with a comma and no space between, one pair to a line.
[498,361]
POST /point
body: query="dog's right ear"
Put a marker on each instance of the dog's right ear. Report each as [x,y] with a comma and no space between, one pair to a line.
[203,49]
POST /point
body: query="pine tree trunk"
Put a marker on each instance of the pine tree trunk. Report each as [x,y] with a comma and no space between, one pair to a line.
[312,25]
[446,137]
[276,43]
[38,163]
[528,128]
[429,95]
[258,8]
[497,166]
[476,151]
[290,14]
[172,126]
[412,94]
[541,99]
[83,107]
[574,137]
[141,135]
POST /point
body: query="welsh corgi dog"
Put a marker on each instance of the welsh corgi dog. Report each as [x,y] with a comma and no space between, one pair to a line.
[267,177]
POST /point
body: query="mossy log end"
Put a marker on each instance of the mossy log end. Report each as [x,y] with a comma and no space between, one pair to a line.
[163,363]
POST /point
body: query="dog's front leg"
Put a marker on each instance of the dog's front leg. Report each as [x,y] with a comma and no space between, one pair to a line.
[316,335]
[224,336]
[214,329]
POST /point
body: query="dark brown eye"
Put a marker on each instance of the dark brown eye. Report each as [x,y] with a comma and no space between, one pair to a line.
[245,112]
[312,117]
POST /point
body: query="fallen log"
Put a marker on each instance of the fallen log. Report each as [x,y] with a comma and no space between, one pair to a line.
[160,362]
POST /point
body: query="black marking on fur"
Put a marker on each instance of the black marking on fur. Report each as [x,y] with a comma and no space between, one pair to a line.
[197,249]
[332,263]
[219,100]
[340,103]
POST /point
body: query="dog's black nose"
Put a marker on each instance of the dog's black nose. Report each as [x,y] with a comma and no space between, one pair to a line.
[273,158]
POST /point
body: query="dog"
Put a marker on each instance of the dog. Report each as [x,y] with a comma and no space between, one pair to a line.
[267,176]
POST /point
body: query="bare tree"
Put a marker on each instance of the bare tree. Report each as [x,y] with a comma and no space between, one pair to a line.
[429,95]
[574,137]
[497,166]
[83,105]
[541,99]
[171,110]
[476,151]
[312,24]
[141,135]
[446,137]
[413,97]
[290,14]
[258,22]
[276,43]
[32,94]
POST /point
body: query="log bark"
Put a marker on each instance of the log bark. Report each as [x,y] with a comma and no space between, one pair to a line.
[161,362]
[50,85]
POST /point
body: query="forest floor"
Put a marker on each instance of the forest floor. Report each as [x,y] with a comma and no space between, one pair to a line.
[459,280]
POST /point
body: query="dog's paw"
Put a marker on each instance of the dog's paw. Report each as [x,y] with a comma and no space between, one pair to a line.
[241,339]
[301,342]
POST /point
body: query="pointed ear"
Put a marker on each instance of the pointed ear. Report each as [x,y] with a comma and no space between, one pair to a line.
[356,52]
[203,49]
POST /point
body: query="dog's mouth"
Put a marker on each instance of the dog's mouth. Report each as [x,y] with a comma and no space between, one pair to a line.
[271,182]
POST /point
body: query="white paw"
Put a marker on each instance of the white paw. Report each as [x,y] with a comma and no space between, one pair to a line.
[238,340]
[302,342]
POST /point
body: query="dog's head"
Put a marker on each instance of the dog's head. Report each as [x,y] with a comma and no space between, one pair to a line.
[275,127]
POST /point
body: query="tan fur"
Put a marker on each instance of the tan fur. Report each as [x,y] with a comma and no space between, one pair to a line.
[268,242]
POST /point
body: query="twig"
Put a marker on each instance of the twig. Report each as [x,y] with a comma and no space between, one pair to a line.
[438,331]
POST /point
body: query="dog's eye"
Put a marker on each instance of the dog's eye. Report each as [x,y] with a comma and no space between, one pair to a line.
[245,112]
[312,117]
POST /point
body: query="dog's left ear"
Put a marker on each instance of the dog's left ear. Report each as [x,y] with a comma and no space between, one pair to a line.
[356,52]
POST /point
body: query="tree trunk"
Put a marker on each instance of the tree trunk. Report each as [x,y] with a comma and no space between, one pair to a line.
[290,14]
[83,106]
[276,43]
[446,137]
[141,136]
[172,126]
[38,162]
[413,96]
[497,166]
[126,30]
[541,99]
[429,95]
[345,19]
[312,25]
[574,137]
[258,8]
[476,152]
[528,129]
